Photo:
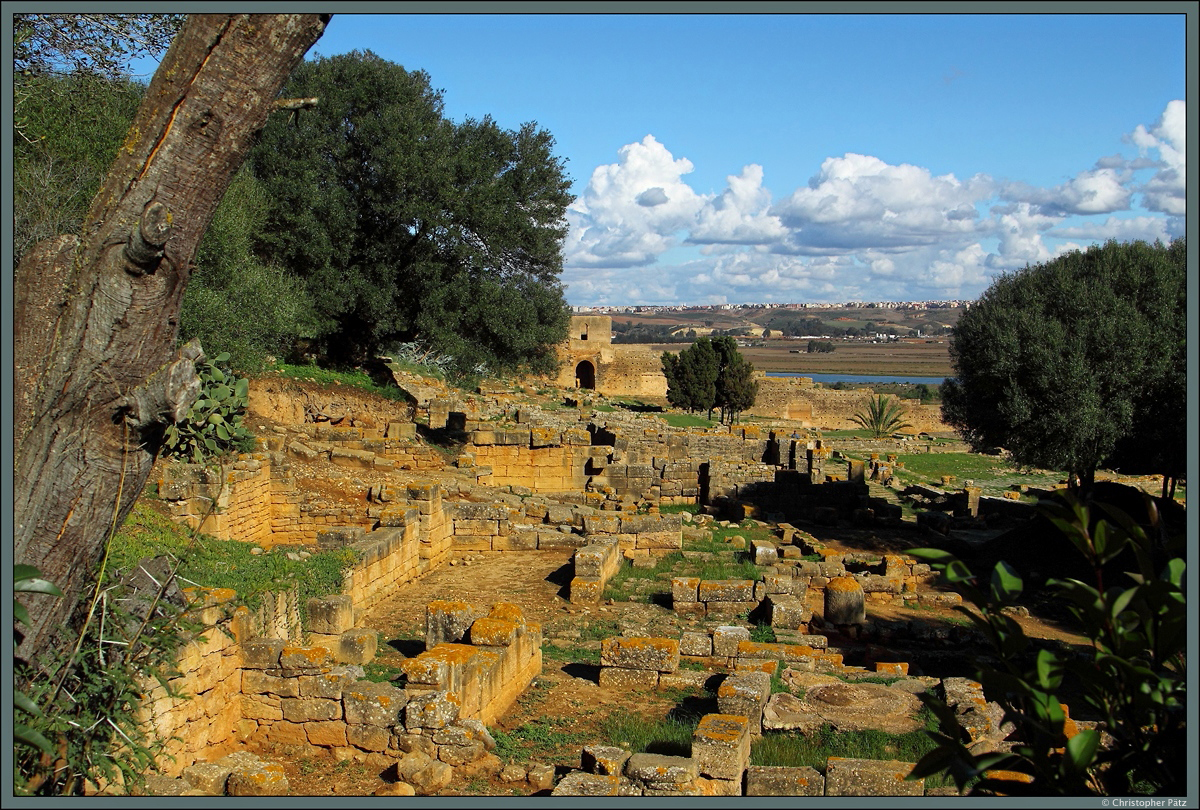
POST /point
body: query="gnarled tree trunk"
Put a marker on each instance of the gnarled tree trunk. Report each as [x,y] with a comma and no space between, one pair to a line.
[96,315]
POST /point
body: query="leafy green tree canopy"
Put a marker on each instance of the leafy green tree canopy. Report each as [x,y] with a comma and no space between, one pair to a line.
[1060,361]
[736,386]
[99,44]
[692,376]
[407,226]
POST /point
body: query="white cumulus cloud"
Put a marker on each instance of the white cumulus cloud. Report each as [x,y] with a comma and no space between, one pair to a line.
[1167,190]
[632,210]
[740,215]
[858,201]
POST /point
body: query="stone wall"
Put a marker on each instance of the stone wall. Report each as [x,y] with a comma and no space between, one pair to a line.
[210,723]
[481,661]
[542,459]
[800,400]
[590,360]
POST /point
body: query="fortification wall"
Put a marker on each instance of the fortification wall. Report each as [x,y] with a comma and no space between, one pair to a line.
[590,360]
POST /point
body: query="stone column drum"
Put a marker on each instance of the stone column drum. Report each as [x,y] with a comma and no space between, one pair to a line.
[844,602]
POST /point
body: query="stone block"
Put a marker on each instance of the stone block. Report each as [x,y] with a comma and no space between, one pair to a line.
[490,632]
[373,704]
[262,653]
[661,770]
[208,777]
[762,780]
[721,746]
[430,710]
[268,779]
[582,783]
[725,639]
[326,733]
[331,615]
[368,738]
[586,590]
[356,646]
[306,660]
[685,589]
[619,678]
[764,552]
[726,590]
[257,682]
[448,621]
[695,643]
[604,759]
[658,654]
[787,612]
[870,777]
[744,694]
[306,710]
[325,685]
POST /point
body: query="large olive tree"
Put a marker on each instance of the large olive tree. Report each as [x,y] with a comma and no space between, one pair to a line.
[1063,362]
[96,374]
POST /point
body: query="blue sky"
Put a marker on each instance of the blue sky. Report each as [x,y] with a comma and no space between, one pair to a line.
[815,157]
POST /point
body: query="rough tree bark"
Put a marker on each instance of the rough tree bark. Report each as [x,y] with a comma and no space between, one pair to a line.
[96,378]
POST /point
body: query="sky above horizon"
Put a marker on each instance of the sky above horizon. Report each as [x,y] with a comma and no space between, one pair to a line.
[821,158]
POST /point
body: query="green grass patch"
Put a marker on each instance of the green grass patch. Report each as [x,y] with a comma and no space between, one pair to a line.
[353,379]
[962,466]
[671,735]
[213,563]
[763,634]
[604,408]
[539,740]
[570,655]
[686,420]
[793,749]
[621,586]
[599,629]
[679,509]
[380,672]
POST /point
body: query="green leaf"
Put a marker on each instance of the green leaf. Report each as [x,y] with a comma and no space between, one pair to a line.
[1006,583]
[1081,749]
[28,580]
[25,735]
[1049,670]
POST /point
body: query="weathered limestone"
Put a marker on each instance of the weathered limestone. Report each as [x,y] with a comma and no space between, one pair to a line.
[595,565]
[744,694]
[870,777]
[844,602]
[486,675]
[777,781]
[721,746]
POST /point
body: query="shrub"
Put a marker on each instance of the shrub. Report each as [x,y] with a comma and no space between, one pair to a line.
[1133,676]
[213,425]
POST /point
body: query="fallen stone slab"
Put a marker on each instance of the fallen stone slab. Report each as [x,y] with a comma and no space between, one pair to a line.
[870,777]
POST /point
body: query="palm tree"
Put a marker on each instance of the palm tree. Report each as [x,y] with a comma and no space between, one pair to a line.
[882,415]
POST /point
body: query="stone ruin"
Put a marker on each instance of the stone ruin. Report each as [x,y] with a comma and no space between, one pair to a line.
[589,486]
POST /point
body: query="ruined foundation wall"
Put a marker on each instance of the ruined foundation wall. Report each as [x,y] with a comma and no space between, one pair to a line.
[799,399]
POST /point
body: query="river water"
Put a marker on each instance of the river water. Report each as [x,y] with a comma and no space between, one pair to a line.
[828,379]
